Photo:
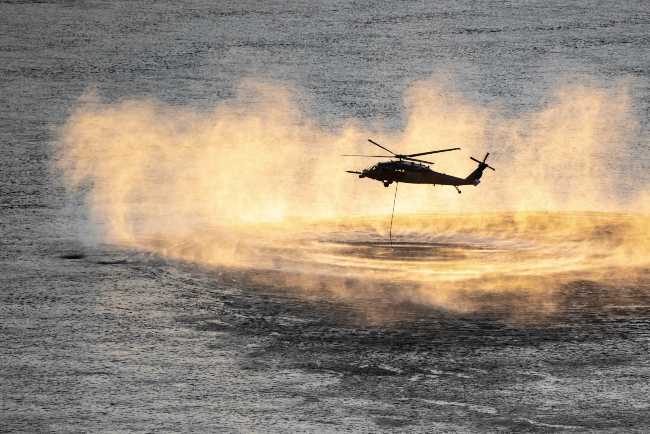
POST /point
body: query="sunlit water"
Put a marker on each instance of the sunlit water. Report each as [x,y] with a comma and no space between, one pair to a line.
[466,322]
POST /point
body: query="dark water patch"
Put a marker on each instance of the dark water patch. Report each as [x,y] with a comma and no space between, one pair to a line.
[92,373]
[409,250]
[110,261]
[73,255]
[409,244]
[472,30]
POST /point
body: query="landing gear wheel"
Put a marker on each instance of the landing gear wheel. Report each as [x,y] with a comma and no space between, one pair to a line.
[457,189]
[387,183]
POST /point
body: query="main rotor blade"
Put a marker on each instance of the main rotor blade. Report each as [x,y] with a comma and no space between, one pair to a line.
[382,147]
[373,156]
[404,157]
[432,152]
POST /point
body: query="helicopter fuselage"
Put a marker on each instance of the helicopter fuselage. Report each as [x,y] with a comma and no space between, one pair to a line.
[412,173]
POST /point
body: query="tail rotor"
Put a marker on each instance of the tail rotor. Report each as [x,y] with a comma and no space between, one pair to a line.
[483,164]
[475,177]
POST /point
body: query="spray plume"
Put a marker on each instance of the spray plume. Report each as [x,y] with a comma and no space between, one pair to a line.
[256,183]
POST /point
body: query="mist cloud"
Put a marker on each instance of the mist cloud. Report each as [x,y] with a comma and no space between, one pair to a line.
[235,185]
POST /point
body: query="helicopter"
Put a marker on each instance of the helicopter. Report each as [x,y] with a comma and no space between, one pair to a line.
[406,168]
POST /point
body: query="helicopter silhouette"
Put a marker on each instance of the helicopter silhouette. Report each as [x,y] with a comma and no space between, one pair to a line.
[406,168]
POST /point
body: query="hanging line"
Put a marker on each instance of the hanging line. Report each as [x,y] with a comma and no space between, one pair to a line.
[390,231]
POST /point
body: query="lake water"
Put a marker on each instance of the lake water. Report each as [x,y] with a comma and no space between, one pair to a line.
[155,335]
